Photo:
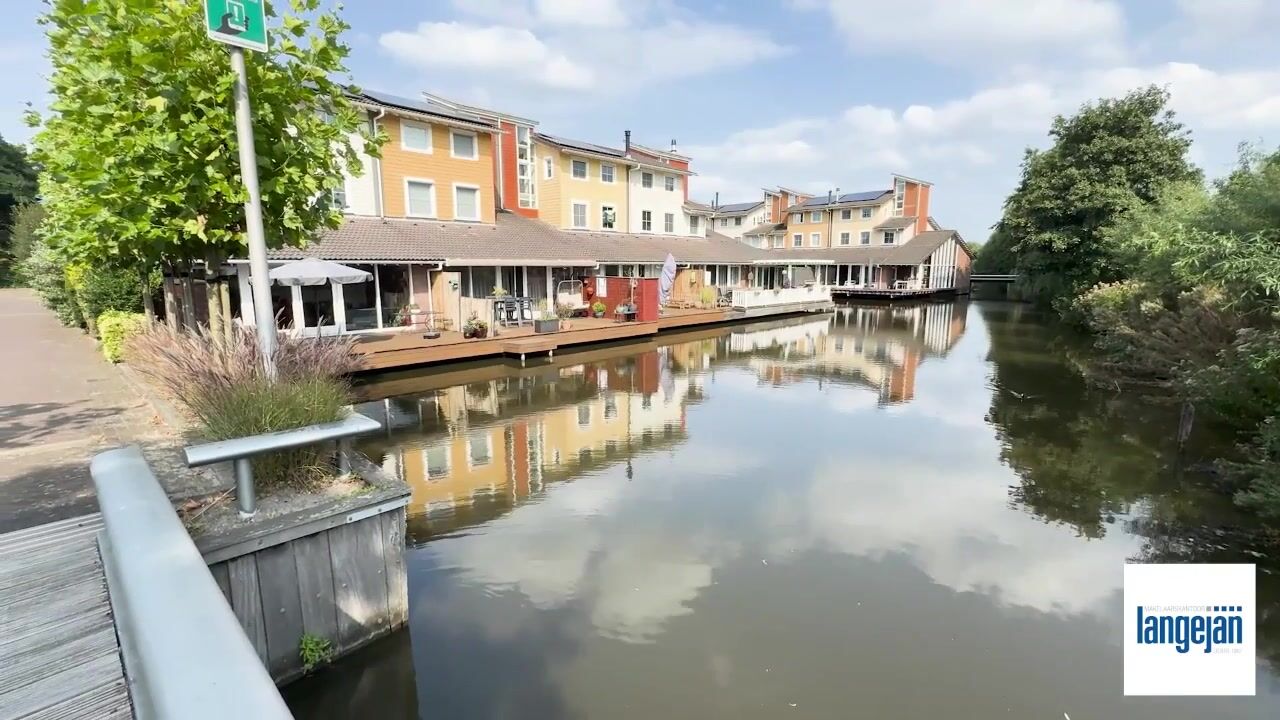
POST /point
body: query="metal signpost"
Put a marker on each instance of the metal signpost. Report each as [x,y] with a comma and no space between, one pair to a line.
[242,24]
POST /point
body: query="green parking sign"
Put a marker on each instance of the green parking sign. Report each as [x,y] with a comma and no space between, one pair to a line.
[237,22]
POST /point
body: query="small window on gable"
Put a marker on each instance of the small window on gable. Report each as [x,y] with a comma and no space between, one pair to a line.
[415,136]
[463,145]
[890,237]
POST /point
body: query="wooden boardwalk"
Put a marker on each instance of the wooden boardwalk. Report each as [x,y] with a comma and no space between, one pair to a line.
[58,652]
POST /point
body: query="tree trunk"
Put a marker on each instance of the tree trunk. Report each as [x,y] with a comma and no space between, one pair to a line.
[224,297]
[148,302]
[171,297]
[188,299]
[213,299]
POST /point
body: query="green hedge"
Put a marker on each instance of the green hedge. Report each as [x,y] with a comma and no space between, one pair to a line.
[116,326]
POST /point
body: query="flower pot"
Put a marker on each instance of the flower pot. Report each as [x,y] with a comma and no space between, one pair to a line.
[600,314]
[482,333]
[546,326]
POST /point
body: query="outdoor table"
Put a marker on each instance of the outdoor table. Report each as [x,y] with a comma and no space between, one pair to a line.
[505,307]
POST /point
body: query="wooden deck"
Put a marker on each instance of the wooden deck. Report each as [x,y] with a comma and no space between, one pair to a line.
[58,652]
[387,350]
[837,291]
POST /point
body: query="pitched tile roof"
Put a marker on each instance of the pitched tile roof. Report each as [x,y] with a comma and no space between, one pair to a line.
[766,228]
[422,107]
[897,223]
[912,252]
[738,208]
[517,240]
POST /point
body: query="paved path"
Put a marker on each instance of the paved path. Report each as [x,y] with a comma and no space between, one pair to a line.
[58,652]
[60,402]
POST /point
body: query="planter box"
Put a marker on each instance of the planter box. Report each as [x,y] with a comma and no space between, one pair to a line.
[546,326]
[336,571]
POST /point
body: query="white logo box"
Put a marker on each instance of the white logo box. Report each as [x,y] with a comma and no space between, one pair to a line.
[1195,607]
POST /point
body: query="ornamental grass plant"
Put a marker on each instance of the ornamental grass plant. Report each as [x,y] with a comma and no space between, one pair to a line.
[222,385]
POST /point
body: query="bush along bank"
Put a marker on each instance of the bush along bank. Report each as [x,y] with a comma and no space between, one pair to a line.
[1178,282]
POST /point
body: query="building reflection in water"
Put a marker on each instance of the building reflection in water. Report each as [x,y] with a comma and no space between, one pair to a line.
[473,443]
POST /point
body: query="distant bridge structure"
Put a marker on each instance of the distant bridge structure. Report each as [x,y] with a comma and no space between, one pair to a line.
[993,278]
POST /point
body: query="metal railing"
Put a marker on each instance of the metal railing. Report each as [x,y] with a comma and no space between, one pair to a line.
[185,654]
[241,451]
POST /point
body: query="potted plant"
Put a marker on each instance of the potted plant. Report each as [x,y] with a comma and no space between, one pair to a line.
[475,328]
[547,320]
[597,309]
[499,292]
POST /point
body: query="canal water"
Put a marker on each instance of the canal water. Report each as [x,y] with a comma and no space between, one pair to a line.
[908,511]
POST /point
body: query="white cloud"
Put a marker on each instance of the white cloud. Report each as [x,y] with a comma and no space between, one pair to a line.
[975,140]
[546,43]
[487,49]
[962,32]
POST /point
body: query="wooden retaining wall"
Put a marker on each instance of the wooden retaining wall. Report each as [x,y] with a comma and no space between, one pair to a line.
[346,583]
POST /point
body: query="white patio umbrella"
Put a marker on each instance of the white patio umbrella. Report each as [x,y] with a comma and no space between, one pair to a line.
[667,280]
[314,271]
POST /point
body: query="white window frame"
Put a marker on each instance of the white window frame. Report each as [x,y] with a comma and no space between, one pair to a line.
[586,215]
[646,179]
[778,241]
[488,447]
[867,213]
[548,168]
[724,222]
[426,462]
[846,214]
[613,172]
[737,222]
[646,218]
[693,224]
[846,238]
[815,239]
[669,223]
[614,210]
[586,169]
[890,237]
[475,144]
[797,240]
[669,182]
[435,205]
[815,216]
[864,238]
[797,217]
[466,186]
[430,149]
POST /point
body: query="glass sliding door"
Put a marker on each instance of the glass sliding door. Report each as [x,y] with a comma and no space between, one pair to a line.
[360,302]
[393,288]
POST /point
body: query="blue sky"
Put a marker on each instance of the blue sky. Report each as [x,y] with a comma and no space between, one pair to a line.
[814,94]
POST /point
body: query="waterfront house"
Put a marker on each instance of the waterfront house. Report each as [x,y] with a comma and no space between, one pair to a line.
[466,203]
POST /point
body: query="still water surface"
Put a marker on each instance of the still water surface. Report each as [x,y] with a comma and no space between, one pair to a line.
[888,512]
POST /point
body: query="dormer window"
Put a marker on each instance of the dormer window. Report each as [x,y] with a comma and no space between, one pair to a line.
[890,237]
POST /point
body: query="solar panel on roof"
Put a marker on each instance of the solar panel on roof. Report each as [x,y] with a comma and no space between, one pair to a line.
[590,147]
[862,196]
[425,106]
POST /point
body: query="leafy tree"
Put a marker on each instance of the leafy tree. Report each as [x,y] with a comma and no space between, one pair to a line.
[26,224]
[17,187]
[1111,157]
[996,255]
[139,154]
